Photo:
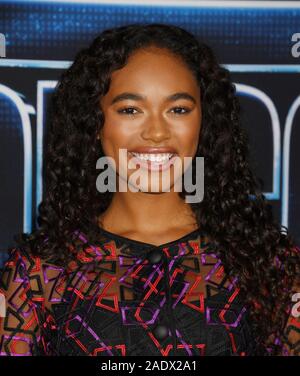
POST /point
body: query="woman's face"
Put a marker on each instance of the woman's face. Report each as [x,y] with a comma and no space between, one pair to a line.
[153,110]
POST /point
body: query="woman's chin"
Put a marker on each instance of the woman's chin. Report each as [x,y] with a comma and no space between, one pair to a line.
[156,187]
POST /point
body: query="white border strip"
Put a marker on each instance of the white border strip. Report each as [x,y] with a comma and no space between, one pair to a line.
[24,112]
[286,160]
[28,63]
[41,86]
[64,64]
[178,3]
[257,94]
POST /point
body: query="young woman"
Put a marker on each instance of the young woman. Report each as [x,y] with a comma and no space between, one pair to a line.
[144,272]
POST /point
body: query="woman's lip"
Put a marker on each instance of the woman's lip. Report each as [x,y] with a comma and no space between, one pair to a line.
[153,166]
[150,150]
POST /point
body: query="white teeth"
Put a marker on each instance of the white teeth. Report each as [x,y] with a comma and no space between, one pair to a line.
[162,157]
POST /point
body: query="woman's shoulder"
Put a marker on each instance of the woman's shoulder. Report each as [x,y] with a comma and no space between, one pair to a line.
[24,269]
[23,259]
[20,262]
[22,286]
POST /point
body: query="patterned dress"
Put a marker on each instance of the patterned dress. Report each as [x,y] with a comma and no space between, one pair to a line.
[124,297]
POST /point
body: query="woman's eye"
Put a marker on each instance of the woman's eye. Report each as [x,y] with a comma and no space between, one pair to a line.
[127,111]
[180,112]
[130,110]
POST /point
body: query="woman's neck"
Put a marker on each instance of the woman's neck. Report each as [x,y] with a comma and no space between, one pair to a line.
[151,213]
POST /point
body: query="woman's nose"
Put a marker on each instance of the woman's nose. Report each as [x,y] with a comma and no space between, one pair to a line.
[156,128]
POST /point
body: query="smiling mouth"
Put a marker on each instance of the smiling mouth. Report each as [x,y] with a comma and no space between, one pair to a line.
[154,161]
[159,158]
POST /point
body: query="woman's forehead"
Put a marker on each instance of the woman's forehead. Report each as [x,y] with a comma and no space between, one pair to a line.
[152,73]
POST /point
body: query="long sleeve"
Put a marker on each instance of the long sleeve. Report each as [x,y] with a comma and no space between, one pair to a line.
[291,344]
[19,328]
[291,335]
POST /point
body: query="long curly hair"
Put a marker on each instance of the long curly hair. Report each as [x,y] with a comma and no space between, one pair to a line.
[234,211]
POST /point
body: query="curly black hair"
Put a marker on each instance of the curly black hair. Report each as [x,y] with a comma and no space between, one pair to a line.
[234,211]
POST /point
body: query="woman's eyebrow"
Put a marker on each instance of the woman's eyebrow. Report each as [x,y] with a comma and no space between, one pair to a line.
[138,97]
